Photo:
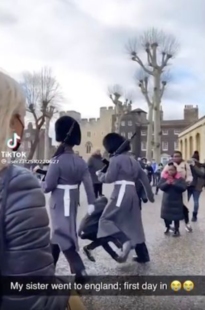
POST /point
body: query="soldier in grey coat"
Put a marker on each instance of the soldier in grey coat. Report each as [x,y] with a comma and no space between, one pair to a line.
[63,178]
[123,213]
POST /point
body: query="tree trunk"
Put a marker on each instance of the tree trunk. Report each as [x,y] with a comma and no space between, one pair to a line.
[157,118]
[149,133]
[34,144]
[117,118]
[46,139]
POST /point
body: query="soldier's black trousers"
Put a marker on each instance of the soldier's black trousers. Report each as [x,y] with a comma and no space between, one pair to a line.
[72,256]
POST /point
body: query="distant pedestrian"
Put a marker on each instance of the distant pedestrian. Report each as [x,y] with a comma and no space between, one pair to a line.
[149,170]
[184,169]
[197,184]
[154,167]
[158,176]
[173,185]
[143,162]
[95,164]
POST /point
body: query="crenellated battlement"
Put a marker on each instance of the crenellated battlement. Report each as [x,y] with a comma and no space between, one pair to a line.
[89,121]
[107,108]
[76,115]
[107,112]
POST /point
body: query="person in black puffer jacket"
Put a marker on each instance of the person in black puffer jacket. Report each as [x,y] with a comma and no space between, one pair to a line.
[24,228]
[88,230]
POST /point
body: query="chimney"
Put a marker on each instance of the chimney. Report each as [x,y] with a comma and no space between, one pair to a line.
[191,113]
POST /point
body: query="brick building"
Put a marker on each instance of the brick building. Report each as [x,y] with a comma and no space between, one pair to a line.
[136,121]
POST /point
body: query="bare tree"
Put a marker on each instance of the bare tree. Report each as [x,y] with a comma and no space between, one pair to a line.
[123,104]
[43,95]
[159,49]
[146,89]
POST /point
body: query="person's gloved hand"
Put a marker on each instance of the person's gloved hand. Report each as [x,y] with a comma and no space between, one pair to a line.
[91,209]
[98,172]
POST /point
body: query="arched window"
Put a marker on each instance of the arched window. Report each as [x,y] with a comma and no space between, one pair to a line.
[88,147]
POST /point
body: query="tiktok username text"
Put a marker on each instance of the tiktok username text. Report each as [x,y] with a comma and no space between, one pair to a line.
[21,158]
[26,161]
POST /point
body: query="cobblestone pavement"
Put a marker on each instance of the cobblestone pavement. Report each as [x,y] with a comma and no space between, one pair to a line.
[169,256]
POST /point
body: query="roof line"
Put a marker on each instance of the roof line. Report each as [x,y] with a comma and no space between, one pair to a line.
[194,123]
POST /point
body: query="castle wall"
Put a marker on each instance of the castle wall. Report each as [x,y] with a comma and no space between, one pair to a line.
[93,131]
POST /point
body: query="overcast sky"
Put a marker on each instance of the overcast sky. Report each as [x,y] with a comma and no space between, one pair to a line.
[84,43]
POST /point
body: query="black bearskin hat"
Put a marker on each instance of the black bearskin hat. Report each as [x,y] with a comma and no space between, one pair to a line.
[63,126]
[113,141]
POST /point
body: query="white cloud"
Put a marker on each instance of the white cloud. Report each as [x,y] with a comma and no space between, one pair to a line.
[83,41]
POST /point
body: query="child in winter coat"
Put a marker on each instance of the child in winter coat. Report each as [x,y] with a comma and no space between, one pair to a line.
[88,230]
[173,185]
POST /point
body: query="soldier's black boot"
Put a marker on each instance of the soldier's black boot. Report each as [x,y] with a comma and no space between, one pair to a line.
[142,254]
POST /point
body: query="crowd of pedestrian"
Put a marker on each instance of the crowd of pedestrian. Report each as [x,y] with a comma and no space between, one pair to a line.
[25,233]
[179,181]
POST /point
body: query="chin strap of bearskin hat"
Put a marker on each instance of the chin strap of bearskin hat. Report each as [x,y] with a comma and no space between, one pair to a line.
[119,151]
[61,149]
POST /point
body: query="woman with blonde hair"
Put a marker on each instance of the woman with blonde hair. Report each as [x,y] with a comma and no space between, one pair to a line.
[25,235]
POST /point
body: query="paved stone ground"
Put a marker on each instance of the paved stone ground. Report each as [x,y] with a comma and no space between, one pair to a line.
[169,256]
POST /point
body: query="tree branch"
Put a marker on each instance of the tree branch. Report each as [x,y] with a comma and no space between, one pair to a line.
[139,61]
[143,85]
[153,41]
[165,59]
[162,89]
[42,92]
[149,55]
